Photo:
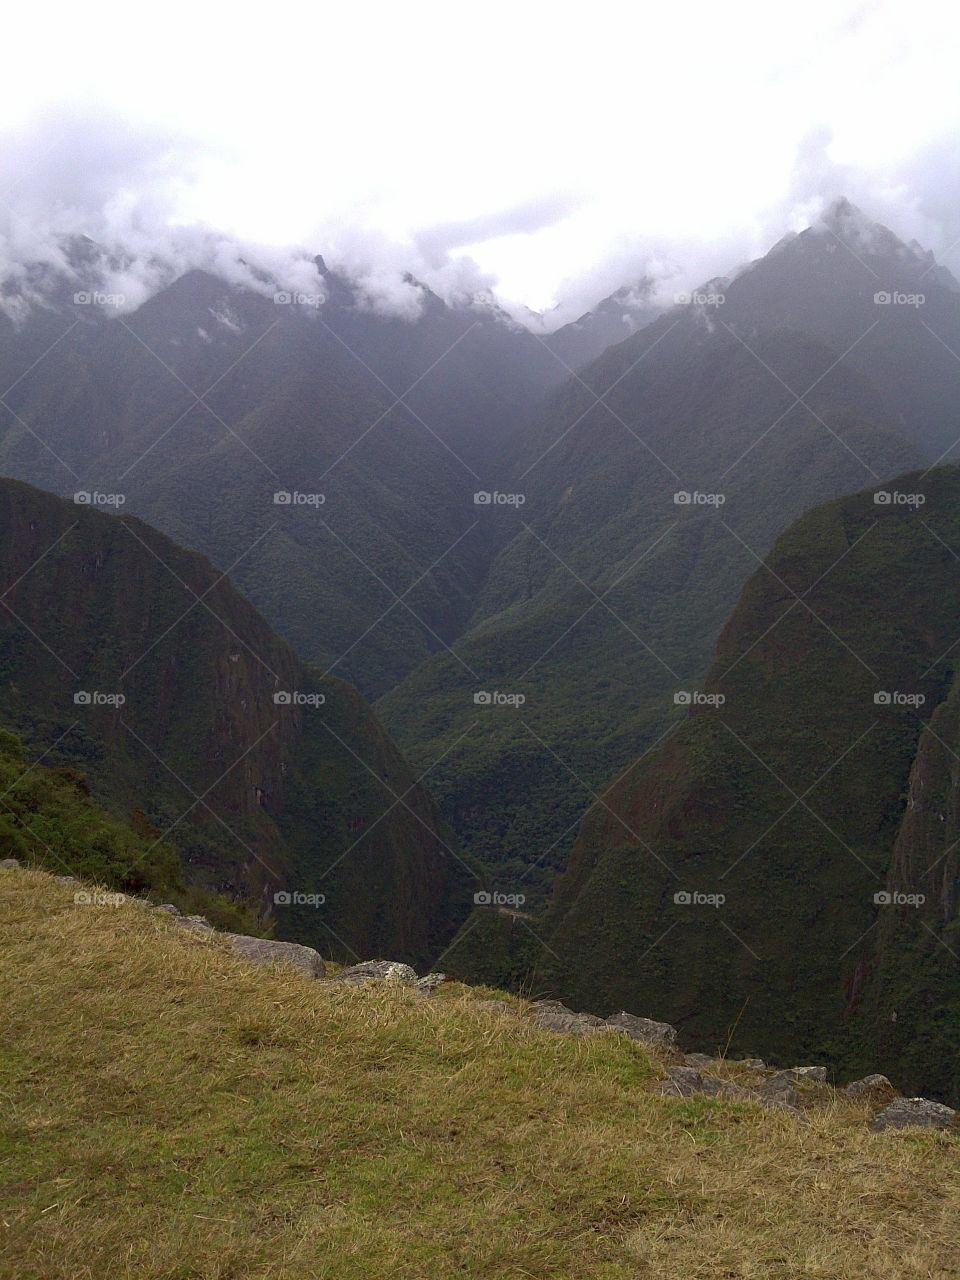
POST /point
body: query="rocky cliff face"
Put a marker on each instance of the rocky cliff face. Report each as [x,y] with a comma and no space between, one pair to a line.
[905,1002]
[135,661]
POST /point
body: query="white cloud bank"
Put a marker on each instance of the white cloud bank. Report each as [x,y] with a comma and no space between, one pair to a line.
[541,152]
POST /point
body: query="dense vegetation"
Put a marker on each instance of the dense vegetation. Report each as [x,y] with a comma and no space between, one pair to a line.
[49,820]
[826,778]
[609,597]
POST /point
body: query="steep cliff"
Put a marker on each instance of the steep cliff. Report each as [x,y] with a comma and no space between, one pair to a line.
[134,661]
[781,869]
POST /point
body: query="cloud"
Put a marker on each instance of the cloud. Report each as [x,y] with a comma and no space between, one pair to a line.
[917,197]
[87,173]
[139,191]
[435,242]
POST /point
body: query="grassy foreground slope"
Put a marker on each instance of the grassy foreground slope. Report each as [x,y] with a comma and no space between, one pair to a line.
[171,1112]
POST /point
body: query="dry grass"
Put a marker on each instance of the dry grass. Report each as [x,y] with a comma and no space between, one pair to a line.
[170,1112]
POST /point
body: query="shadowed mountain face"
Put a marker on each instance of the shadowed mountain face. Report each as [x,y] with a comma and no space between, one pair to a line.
[782,870]
[137,663]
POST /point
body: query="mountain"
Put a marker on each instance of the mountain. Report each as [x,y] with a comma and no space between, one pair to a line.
[612,320]
[805,812]
[135,663]
[652,483]
[210,399]
[585,585]
[886,307]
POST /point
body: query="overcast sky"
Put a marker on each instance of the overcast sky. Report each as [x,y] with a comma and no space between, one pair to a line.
[550,151]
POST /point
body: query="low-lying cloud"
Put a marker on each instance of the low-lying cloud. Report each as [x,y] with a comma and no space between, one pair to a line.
[86,172]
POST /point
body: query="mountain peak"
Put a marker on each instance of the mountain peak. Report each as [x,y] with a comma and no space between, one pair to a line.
[867,238]
[841,211]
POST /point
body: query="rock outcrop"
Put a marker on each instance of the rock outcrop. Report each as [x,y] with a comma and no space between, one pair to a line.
[870,1087]
[551,1015]
[689,1082]
[392,971]
[496,1006]
[914,1113]
[267,951]
[643,1029]
[430,982]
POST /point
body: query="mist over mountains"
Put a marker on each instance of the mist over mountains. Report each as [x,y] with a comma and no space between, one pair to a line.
[522,549]
[479,633]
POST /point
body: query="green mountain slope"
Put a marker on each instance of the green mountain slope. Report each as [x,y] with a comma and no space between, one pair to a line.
[610,596]
[781,387]
[827,777]
[137,663]
[48,817]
